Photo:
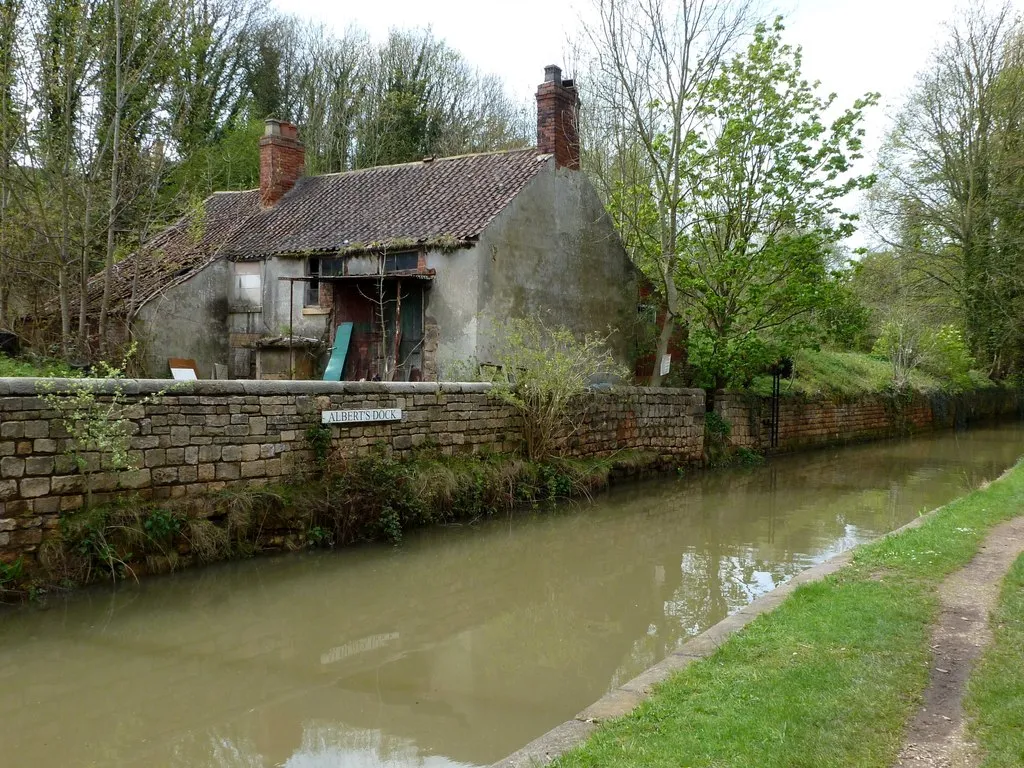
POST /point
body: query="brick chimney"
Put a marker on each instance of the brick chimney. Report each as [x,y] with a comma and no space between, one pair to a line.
[557,107]
[282,161]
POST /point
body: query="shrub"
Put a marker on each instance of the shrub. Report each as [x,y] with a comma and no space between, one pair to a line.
[543,373]
[947,357]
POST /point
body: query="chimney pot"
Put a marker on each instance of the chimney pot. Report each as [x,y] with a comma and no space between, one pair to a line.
[282,161]
[552,74]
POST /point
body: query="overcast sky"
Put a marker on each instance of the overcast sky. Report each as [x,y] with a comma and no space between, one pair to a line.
[851,46]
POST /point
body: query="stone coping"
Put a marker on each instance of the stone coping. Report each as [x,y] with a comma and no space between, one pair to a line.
[23,387]
[620,701]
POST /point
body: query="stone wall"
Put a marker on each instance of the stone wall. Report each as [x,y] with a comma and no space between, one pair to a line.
[806,423]
[204,436]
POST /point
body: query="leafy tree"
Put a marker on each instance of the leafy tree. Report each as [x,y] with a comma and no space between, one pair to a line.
[948,202]
[766,182]
[647,72]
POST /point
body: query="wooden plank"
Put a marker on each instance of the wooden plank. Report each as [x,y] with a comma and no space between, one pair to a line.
[336,365]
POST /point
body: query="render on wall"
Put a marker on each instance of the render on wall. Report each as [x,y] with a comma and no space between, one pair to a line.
[554,253]
[188,320]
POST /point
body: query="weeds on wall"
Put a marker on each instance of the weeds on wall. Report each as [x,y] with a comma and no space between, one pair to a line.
[343,500]
[718,449]
[97,419]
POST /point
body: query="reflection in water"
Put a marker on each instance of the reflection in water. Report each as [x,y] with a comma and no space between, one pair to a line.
[461,645]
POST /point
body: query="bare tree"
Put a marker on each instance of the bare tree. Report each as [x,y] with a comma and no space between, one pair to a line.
[644,79]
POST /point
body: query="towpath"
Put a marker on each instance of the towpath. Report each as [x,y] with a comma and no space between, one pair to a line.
[936,737]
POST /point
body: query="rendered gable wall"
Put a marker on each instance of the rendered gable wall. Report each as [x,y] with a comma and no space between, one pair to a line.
[554,253]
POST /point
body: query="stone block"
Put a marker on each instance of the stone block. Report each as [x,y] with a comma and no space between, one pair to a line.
[13,429]
[8,524]
[206,472]
[12,467]
[145,442]
[156,457]
[44,446]
[36,428]
[39,465]
[180,436]
[165,475]
[70,503]
[48,505]
[24,448]
[253,469]
[137,478]
[26,537]
[19,508]
[258,425]
[188,474]
[175,456]
[228,471]
[32,487]
[231,453]
[250,453]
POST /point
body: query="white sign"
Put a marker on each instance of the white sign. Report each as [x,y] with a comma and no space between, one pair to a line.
[666,364]
[361,417]
[183,374]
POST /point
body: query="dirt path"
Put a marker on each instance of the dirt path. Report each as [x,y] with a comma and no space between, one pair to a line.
[936,737]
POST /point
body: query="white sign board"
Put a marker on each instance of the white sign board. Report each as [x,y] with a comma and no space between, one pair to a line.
[361,417]
[666,364]
[183,374]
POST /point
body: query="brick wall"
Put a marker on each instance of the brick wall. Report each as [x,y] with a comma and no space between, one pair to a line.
[805,423]
[204,436]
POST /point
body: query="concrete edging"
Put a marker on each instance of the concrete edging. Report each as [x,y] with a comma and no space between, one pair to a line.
[622,700]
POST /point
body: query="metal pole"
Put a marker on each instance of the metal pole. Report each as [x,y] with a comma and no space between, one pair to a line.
[291,330]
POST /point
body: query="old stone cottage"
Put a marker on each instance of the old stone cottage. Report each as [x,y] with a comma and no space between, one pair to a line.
[420,262]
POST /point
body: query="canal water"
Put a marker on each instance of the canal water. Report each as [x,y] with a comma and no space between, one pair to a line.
[459,646]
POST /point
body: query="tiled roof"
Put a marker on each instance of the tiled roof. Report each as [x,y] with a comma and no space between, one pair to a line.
[447,199]
[177,253]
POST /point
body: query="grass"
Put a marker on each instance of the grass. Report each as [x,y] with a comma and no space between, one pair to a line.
[20,367]
[847,375]
[829,678]
[995,693]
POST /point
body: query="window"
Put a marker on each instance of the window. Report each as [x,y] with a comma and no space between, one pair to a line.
[248,283]
[401,262]
[313,286]
[317,267]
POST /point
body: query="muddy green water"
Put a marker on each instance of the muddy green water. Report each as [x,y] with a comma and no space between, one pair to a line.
[461,645]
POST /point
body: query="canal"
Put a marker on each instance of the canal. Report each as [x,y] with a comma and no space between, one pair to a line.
[462,644]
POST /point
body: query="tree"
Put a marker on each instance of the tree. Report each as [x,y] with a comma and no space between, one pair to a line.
[647,76]
[131,79]
[765,183]
[948,201]
[10,126]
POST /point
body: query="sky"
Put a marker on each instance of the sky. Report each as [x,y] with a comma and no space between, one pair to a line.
[852,46]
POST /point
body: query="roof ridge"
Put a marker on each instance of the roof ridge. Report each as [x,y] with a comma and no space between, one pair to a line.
[423,162]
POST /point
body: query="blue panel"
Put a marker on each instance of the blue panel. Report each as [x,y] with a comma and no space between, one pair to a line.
[337,362]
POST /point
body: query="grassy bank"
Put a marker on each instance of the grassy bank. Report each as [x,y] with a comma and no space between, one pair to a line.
[847,375]
[39,367]
[830,677]
[339,501]
[995,694]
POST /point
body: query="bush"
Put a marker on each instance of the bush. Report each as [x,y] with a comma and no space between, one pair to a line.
[544,372]
[947,357]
